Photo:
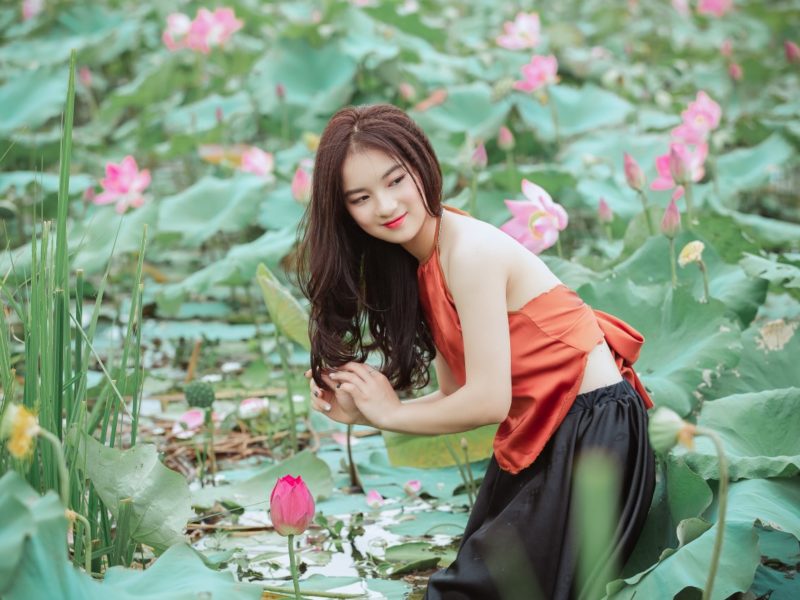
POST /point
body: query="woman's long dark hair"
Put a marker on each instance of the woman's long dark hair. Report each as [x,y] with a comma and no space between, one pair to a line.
[355,282]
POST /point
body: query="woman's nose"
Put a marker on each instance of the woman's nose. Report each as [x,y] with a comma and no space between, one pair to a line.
[386,204]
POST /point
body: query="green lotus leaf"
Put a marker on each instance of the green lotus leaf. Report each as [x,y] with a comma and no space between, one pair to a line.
[285,311]
[741,421]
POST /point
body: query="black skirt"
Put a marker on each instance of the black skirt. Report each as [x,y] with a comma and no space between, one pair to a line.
[520,541]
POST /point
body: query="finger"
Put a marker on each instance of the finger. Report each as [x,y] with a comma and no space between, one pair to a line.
[361,369]
[320,405]
[349,382]
[364,372]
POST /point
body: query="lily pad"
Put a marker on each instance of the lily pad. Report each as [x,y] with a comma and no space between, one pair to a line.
[741,421]
[161,499]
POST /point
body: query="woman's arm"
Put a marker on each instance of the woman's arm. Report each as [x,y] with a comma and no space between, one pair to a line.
[485,398]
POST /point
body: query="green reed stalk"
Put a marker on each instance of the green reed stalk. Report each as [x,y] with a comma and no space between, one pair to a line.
[461,470]
[288,382]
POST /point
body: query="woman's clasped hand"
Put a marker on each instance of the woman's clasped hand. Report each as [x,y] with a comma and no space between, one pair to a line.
[359,394]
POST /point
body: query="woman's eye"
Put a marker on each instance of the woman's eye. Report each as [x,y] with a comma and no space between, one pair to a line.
[398,180]
[358,200]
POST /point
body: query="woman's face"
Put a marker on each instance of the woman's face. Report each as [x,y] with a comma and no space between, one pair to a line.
[382,199]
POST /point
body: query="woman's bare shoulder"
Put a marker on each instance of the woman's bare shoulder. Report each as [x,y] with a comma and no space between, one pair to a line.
[480,246]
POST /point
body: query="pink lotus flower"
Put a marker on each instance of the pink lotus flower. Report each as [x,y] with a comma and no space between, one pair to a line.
[479,158]
[539,72]
[522,33]
[374,499]
[537,220]
[604,212]
[703,113]
[209,29]
[412,487]
[716,8]
[633,173]
[505,139]
[700,117]
[31,8]
[671,222]
[206,31]
[681,162]
[255,160]
[792,51]
[301,186]
[291,506]
[178,25]
[123,184]
[735,71]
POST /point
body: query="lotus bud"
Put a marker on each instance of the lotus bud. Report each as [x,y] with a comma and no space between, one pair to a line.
[505,139]
[301,186]
[604,212]
[412,487]
[291,506]
[671,222]
[666,429]
[678,167]
[735,71]
[85,76]
[727,48]
[633,173]
[479,157]
[280,92]
[374,499]
[250,408]
[792,51]
[407,91]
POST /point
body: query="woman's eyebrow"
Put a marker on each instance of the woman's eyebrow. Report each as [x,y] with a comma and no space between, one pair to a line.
[384,176]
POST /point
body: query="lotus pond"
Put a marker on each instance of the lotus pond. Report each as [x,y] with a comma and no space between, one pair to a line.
[155,162]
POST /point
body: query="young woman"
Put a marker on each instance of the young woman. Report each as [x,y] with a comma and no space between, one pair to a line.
[388,271]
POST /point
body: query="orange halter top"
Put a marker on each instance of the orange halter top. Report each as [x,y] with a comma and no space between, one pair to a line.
[551,337]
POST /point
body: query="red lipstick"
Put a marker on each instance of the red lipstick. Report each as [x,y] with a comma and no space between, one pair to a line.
[397,222]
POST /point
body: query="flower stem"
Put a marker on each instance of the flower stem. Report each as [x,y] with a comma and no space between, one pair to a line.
[293,566]
[63,475]
[647,217]
[554,116]
[511,168]
[704,271]
[211,456]
[558,247]
[473,195]
[87,543]
[689,204]
[723,506]
[672,262]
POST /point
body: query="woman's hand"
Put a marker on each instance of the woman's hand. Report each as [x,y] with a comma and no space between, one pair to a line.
[337,405]
[370,390]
